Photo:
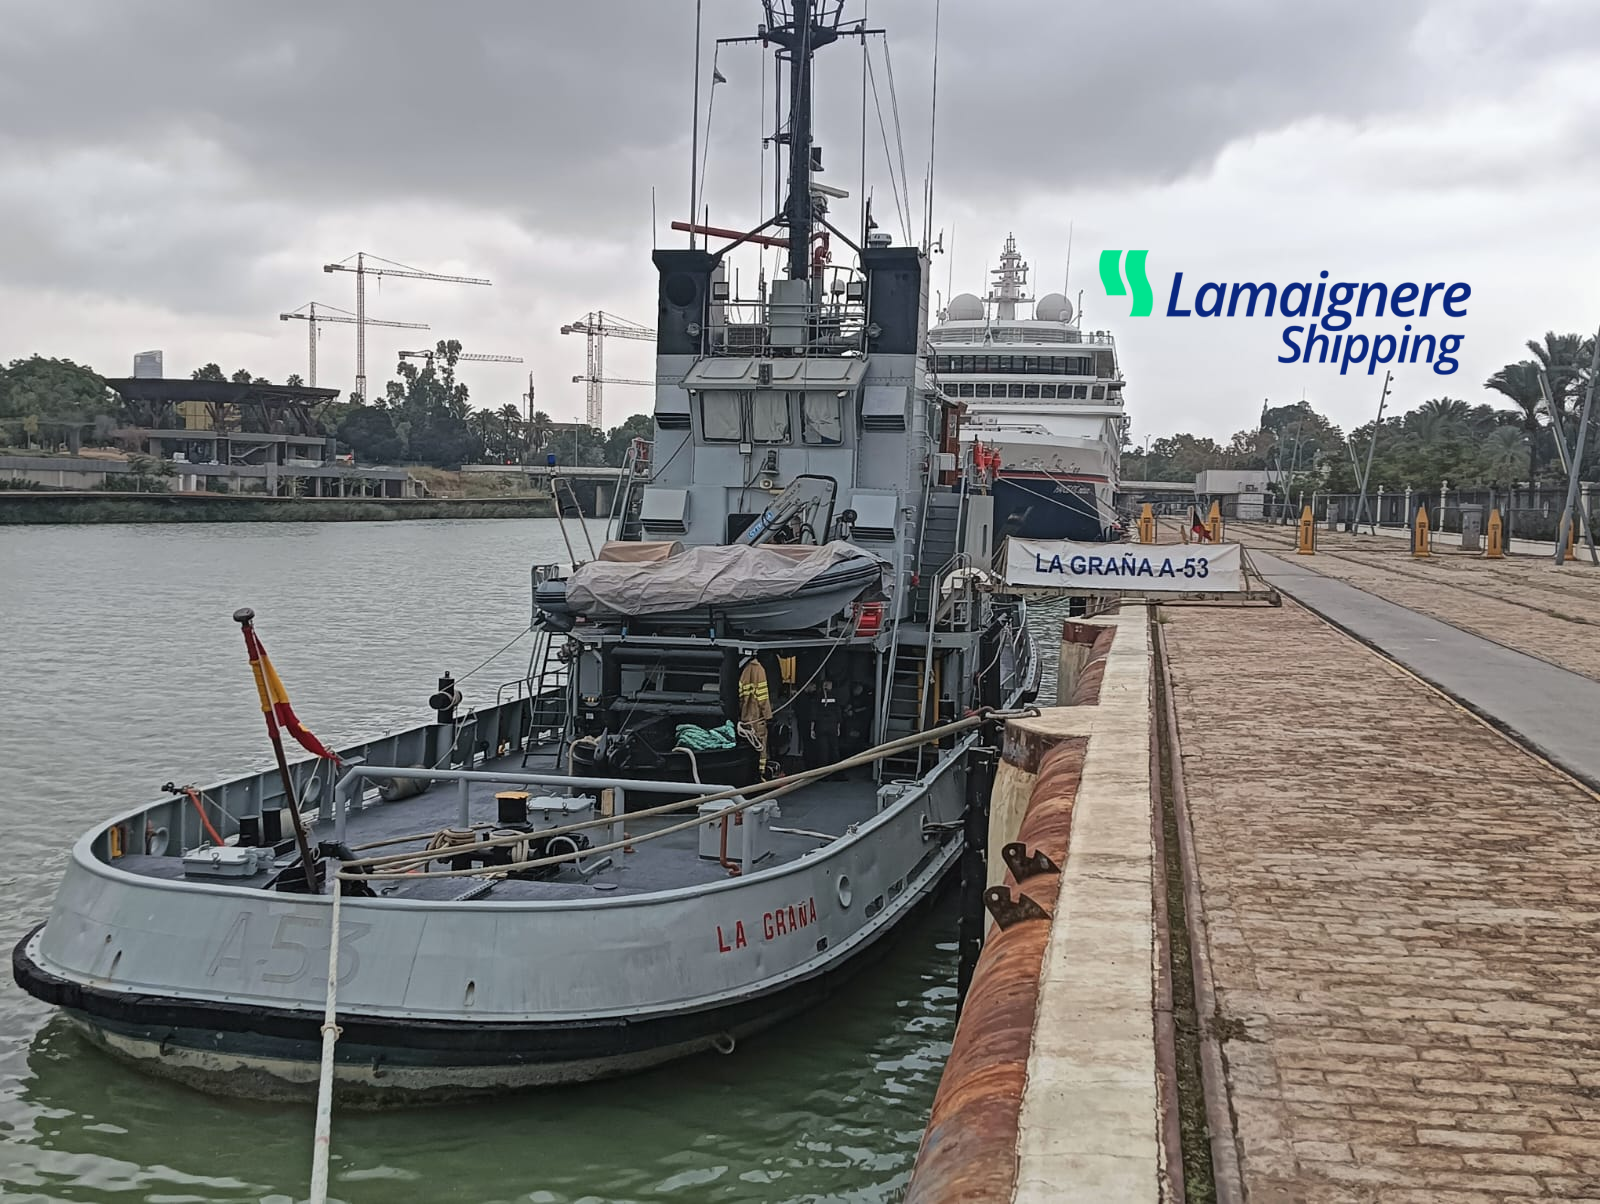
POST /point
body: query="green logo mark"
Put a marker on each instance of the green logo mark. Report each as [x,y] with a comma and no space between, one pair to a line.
[1111,277]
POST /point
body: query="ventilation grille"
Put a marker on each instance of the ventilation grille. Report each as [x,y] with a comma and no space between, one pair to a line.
[673,422]
[875,534]
[665,526]
[883,422]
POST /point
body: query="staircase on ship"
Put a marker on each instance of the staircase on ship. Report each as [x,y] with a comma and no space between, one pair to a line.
[914,686]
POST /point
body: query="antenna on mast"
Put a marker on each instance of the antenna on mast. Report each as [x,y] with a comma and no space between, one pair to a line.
[933,133]
[694,130]
[1067,282]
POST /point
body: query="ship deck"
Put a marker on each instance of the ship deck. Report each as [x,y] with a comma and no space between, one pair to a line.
[812,816]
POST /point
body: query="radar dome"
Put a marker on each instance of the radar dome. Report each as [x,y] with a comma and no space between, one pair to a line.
[1053,307]
[964,307]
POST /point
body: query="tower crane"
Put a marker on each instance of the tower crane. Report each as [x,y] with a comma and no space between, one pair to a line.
[610,380]
[465,355]
[597,327]
[387,268]
[314,315]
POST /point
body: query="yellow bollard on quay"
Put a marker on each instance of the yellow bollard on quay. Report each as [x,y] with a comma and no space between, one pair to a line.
[1214,523]
[1494,543]
[1147,524]
[1420,541]
[1570,552]
[1307,545]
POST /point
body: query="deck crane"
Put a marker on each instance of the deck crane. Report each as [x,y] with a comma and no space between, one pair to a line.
[597,327]
[387,268]
[314,315]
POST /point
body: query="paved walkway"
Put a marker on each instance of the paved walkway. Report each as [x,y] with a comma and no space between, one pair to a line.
[1551,709]
[1525,602]
[1402,913]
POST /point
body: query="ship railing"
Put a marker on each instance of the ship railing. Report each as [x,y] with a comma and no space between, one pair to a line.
[171,826]
[747,330]
[413,864]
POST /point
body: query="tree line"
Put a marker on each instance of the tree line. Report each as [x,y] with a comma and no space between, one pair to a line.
[1438,439]
[425,416]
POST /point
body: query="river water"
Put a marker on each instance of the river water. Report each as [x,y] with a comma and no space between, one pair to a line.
[122,670]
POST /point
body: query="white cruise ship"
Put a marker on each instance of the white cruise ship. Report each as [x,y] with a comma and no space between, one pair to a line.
[1042,392]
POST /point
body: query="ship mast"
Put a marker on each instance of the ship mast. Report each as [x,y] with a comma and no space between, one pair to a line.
[1012,275]
[800,32]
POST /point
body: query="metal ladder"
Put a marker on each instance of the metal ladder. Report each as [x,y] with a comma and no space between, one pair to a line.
[623,522]
[549,712]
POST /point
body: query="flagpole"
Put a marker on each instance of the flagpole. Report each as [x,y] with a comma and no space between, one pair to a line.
[245,617]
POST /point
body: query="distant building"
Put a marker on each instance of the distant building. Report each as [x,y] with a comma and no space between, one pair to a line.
[253,436]
[147,365]
[1242,492]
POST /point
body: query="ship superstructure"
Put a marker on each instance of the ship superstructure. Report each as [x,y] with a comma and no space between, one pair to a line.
[1044,393]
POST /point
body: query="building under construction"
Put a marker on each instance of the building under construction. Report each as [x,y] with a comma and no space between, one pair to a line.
[251,438]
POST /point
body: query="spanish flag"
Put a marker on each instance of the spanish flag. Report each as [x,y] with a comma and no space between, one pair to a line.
[275,699]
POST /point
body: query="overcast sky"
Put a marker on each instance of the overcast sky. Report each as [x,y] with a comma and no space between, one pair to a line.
[173,173]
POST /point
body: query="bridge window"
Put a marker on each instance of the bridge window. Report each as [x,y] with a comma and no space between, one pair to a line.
[769,417]
[1030,390]
[1080,392]
[983,390]
[820,418]
[966,389]
[1015,391]
[721,415]
[1098,393]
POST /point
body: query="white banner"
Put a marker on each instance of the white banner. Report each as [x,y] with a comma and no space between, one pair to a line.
[1104,567]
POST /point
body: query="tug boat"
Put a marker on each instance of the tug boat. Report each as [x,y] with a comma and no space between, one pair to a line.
[740,760]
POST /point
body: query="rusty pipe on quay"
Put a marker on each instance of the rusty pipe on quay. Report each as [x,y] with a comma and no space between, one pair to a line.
[969,1149]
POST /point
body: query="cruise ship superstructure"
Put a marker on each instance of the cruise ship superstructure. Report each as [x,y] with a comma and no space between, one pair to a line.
[1044,394]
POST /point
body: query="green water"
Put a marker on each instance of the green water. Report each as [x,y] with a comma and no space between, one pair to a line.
[126,671]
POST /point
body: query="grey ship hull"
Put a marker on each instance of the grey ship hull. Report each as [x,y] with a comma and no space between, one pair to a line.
[272,1053]
[221,985]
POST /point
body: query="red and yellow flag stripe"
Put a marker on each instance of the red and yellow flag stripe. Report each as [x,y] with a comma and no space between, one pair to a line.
[275,699]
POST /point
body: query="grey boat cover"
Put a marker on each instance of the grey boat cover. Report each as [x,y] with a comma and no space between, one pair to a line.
[715,575]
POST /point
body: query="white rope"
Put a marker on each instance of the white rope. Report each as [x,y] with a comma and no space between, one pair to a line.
[330,1034]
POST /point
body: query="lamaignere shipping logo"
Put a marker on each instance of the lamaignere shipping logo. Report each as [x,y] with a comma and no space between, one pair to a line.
[1327,339]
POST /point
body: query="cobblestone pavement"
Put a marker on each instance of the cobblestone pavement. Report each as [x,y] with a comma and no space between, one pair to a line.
[1523,602]
[1402,913]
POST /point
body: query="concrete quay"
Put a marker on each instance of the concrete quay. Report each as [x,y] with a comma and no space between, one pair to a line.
[1051,1093]
[1383,865]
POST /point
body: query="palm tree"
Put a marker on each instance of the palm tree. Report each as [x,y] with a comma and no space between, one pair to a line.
[486,425]
[1505,455]
[539,430]
[1520,382]
[1565,360]
[1445,410]
[515,443]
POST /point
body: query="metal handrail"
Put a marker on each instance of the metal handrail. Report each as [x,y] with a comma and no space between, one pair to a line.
[401,866]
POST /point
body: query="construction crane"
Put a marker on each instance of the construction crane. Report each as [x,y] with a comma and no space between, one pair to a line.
[315,315]
[599,326]
[611,380]
[465,355]
[388,268]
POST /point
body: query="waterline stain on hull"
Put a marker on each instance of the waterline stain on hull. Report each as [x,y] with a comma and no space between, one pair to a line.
[272,1054]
